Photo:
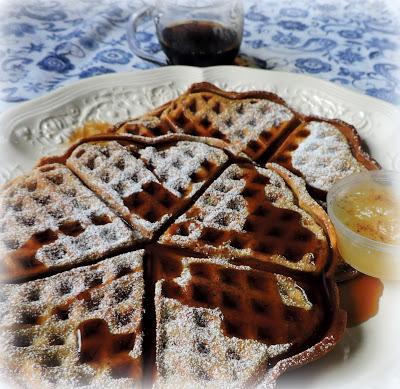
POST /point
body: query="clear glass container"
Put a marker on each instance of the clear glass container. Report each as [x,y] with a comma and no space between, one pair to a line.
[365,211]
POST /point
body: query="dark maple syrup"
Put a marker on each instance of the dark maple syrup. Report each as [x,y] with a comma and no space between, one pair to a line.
[246,315]
[359,297]
[23,263]
[199,43]
[90,128]
[100,348]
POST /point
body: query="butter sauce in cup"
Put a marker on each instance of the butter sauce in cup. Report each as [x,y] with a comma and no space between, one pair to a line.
[365,210]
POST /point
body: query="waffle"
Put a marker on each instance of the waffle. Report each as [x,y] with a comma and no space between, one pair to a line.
[147,126]
[328,152]
[82,327]
[50,221]
[323,152]
[184,167]
[212,270]
[251,212]
[145,185]
[248,122]
[260,125]
[225,326]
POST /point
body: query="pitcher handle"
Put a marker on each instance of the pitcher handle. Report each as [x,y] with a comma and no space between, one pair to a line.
[134,22]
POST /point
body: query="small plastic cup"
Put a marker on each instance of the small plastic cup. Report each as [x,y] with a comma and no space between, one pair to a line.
[369,256]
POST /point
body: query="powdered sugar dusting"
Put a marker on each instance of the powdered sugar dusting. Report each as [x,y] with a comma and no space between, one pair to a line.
[111,290]
[114,173]
[52,200]
[247,125]
[224,208]
[222,201]
[195,353]
[176,165]
[243,121]
[324,157]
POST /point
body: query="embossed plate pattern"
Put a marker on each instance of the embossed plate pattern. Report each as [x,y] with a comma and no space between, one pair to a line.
[368,355]
[44,124]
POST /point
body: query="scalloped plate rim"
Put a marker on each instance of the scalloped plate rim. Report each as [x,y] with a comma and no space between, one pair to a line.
[95,81]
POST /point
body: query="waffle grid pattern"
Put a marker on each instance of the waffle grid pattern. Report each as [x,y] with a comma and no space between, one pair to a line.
[216,323]
[49,219]
[184,167]
[184,354]
[39,328]
[229,317]
[249,125]
[115,173]
[145,186]
[320,153]
[241,294]
[251,212]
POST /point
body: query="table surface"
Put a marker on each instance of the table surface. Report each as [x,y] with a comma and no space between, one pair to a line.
[48,44]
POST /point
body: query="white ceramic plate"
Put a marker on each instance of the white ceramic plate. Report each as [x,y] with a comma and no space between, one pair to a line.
[368,356]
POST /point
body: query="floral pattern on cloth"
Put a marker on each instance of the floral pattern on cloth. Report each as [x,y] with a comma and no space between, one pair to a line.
[47,44]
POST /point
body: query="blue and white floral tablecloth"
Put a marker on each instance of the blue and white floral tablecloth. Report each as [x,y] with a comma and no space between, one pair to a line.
[48,44]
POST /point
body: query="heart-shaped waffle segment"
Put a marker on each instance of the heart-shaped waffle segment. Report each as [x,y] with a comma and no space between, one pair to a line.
[50,221]
[221,325]
[77,328]
[248,122]
[146,185]
[323,152]
[252,215]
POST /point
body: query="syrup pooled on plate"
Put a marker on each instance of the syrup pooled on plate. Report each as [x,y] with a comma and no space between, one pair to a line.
[89,129]
[359,297]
